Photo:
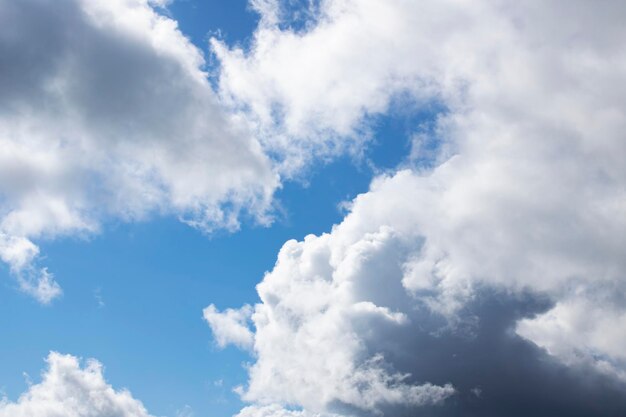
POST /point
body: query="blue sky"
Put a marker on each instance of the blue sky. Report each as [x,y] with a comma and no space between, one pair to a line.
[452,234]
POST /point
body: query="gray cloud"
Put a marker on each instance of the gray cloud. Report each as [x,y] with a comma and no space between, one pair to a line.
[494,371]
[105,111]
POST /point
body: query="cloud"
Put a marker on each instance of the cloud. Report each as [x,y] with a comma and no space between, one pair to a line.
[309,86]
[312,331]
[69,390]
[276,410]
[19,253]
[186,411]
[581,331]
[337,329]
[230,326]
[475,268]
[106,112]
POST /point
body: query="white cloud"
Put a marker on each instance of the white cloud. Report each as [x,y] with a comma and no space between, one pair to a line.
[186,411]
[105,111]
[230,326]
[318,325]
[19,253]
[527,191]
[276,410]
[67,390]
[585,330]
[309,89]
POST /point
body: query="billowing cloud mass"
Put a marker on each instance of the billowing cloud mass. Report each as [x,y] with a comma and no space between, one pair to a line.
[105,111]
[69,390]
[489,281]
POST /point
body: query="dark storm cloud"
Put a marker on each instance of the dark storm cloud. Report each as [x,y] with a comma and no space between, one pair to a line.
[495,372]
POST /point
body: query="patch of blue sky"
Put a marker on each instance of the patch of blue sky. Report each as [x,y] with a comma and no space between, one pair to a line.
[395,135]
[231,20]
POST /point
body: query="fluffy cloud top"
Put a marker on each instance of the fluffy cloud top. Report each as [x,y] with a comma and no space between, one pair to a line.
[67,390]
[105,111]
[522,215]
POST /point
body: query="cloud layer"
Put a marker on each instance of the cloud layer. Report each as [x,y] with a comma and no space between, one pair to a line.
[105,111]
[509,241]
[67,390]
[485,277]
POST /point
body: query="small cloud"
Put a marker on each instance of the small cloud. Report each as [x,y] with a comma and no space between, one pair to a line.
[27,379]
[97,293]
[230,326]
[67,378]
[239,390]
[186,411]
[477,391]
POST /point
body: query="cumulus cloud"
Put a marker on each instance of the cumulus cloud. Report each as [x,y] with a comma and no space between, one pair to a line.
[69,390]
[106,111]
[489,253]
[312,331]
[342,327]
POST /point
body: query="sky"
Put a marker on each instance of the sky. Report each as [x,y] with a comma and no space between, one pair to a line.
[315,208]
